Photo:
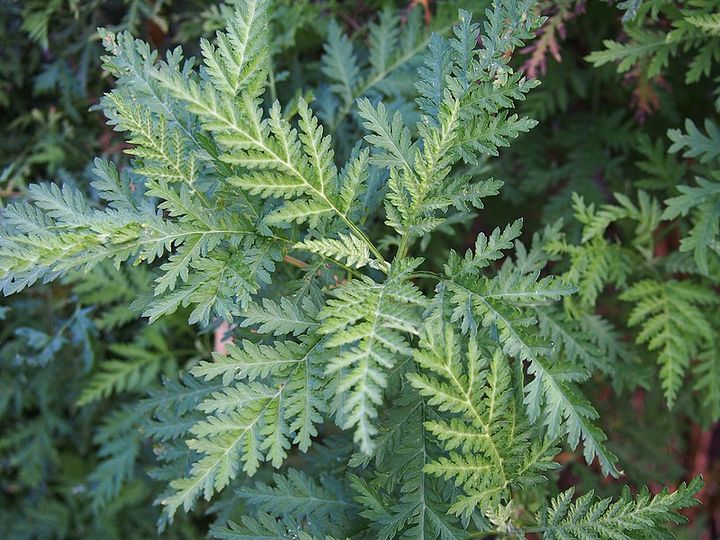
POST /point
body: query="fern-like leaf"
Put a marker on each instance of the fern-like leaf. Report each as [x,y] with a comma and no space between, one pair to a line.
[625,518]
[672,323]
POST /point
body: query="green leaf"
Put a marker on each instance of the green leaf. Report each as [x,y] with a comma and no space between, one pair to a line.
[625,518]
[369,323]
[694,143]
[339,63]
[672,322]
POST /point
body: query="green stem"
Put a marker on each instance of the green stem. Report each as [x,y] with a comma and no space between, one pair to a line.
[404,247]
[271,83]
[427,275]
[364,237]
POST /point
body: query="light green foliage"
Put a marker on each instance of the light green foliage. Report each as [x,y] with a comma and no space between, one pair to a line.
[346,248]
[61,232]
[254,420]
[670,315]
[439,397]
[462,121]
[503,305]
[702,200]
[695,143]
[596,261]
[366,325]
[694,28]
[641,517]
[282,319]
[483,456]
[672,323]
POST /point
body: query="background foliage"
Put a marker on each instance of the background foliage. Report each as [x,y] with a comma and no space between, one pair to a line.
[617,185]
